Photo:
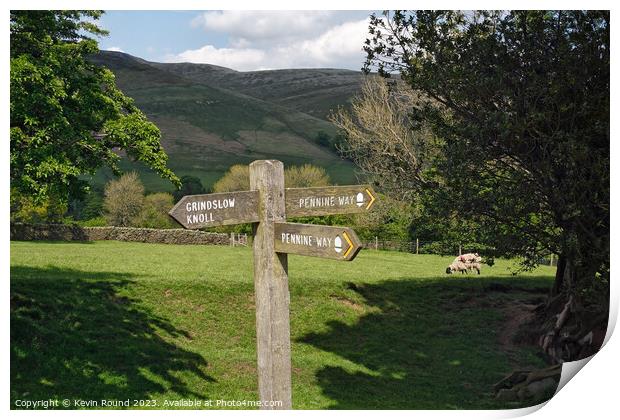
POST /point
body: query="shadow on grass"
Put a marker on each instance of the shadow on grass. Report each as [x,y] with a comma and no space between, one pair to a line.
[74,335]
[425,344]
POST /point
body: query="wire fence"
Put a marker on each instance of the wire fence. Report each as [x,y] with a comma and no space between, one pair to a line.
[436,247]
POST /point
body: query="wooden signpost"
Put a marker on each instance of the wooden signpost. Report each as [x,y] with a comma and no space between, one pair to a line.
[338,243]
[208,210]
[322,201]
[267,205]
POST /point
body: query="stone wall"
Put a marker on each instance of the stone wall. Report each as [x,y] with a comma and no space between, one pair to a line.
[59,232]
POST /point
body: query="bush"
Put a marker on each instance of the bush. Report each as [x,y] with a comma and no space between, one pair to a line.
[28,210]
[237,178]
[190,185]
[124,198]
[305,176]
[154,213]
[94,222]
[93,206]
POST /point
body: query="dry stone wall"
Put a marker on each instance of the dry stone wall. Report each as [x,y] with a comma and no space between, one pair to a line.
[59,232]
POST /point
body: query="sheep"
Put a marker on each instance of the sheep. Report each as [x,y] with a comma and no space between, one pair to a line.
[457,266]
[473,266]
[470,258]
[464,263]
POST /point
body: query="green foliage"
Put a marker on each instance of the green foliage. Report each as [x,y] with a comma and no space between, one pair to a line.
[124,200]
[154,212]
[87,206]
[94,222]
[27,210]
[93,206]
[237,178]
[390,219]
[323,139]
[67,116]
[305,176]
[521,101]
[190,185]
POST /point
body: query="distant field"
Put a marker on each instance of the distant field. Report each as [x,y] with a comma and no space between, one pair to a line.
[113,320]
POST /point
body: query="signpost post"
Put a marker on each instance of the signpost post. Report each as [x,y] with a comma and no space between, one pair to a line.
[267,205]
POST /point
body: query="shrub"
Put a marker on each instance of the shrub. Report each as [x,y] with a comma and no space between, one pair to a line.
[154,213]
[124,198]
[28,210]
[94,222]
[305,176]
[237,178]
[190,185]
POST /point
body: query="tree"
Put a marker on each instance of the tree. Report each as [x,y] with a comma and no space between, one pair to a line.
[520,101]
[305,176]
[237,178]
[124,200]
[26,210]
[190,185]
[154,212]
[380,137]
[323,139]
[67,116]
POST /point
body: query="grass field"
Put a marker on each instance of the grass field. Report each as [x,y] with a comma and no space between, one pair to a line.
[113,320]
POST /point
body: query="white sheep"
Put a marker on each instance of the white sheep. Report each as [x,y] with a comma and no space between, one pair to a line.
[457,265]
[470,258]
[464,263]
[473,266]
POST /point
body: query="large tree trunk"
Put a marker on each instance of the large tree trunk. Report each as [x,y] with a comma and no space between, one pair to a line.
[573,324]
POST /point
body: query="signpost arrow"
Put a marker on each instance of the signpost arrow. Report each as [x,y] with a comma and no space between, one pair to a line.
[206,210]
[321,201]
[338,243]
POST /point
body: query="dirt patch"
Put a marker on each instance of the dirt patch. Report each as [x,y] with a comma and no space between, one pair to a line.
[516,314]
[349,303]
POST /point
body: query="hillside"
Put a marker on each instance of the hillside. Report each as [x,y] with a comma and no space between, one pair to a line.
[312,91]
[212,117]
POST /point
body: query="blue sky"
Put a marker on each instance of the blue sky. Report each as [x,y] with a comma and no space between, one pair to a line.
[242,40]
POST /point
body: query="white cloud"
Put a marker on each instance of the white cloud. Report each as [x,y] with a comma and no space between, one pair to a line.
[254,47]
[261,25]
[341,44]
[235,58]
[117,49]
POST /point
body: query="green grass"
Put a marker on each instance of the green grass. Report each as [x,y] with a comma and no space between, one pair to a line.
[113,320]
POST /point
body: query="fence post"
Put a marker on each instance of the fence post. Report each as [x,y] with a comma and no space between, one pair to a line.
[376,242]
[460,250]
[551,261]
[272,296]
[417,246]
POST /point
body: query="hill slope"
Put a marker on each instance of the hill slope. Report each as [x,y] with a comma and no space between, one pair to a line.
[212,117]
[312,91]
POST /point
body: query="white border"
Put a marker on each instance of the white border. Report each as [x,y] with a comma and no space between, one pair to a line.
[592,394]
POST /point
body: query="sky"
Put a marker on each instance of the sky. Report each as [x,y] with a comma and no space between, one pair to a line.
[240,39]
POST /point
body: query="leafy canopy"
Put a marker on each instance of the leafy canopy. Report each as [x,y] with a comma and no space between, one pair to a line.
[67,116]
[520,100]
